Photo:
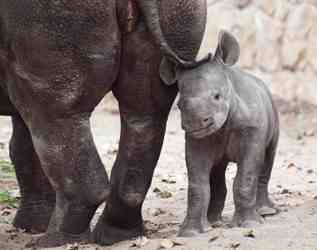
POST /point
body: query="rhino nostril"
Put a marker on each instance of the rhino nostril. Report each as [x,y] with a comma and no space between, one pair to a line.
[206,120]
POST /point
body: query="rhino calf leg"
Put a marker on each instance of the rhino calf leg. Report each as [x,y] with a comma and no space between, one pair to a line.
[264,204]
[199,164]
[37,195]
[196,221]
[245,186]
[218,191]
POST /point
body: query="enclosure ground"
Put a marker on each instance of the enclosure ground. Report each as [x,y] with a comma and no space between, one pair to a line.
[293,187]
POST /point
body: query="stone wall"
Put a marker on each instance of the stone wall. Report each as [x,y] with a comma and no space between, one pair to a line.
[278,40]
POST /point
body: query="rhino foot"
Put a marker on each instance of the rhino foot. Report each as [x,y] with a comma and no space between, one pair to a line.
[247,219]
[194,228]
[266,207]
[56,239]
[34,216]
[105,234]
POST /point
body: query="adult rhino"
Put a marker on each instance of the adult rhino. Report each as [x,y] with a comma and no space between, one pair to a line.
[58,59]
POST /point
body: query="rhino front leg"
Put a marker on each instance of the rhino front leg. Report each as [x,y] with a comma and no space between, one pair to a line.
[199,164]
[140,145]
[37,195]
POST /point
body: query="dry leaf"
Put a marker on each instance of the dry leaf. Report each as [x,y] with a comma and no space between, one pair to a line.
[214,238]
[166,244]
[140,242]
[235,245]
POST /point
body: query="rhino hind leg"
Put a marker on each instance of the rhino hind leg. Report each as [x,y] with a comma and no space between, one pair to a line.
[61,134]
[218,192]
[265,206]
[37,195]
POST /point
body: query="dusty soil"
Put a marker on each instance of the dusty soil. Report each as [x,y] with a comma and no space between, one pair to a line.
[293,188]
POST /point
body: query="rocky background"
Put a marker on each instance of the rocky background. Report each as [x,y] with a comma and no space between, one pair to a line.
[278,41]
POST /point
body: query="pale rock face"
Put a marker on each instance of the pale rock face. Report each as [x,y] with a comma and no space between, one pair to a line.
[277,37]
[294,54]
[269,34]
[268,6]
[300,22]
[312,43]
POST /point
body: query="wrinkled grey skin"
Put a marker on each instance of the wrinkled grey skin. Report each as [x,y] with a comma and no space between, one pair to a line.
[58,59]
[228,116]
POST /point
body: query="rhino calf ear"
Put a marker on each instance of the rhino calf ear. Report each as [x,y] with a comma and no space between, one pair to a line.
[168,72]
[228,50]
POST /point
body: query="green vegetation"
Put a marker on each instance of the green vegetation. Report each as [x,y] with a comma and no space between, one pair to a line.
[7,171]
[6,198]
[6,167]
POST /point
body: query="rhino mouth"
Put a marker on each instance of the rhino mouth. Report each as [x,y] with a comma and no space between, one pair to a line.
[202,132]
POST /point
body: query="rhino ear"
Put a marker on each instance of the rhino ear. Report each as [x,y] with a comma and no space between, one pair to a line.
[168,71]
[228,50]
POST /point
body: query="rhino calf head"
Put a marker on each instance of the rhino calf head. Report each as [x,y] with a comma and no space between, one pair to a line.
[205,90]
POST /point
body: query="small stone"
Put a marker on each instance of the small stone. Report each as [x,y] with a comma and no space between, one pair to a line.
[309,133]
[162,194]
[242,3]
[178,242]
[235,245]
[72,246]
[15,193]
[140,242]
[267,211]
[217,224]
[12,230]
[310,171]
[286,191]
[158,212]
[172,132]
[214,238]
[166,244]
[168,181]
[156,190]
[291,165]
[5,212]
[165,195]
[249,234]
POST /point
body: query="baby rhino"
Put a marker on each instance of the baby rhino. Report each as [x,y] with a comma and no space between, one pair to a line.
[228,116]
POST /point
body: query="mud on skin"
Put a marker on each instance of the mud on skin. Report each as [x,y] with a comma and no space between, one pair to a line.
[66,55]
[228,116]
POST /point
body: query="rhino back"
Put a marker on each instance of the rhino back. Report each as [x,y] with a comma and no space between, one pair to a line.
[258,101]
[62,20]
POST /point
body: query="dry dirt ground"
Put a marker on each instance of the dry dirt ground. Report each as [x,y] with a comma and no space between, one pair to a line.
[293,187]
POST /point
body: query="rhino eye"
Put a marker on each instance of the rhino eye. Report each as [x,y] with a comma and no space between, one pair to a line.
[217,97]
